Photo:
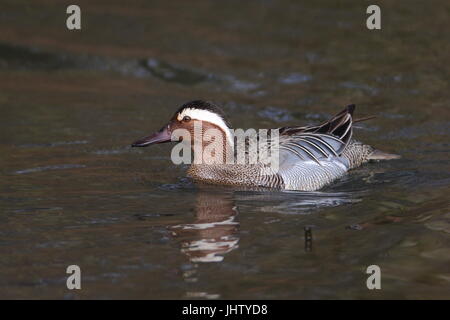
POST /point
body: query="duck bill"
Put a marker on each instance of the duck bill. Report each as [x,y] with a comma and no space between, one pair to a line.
[161,136]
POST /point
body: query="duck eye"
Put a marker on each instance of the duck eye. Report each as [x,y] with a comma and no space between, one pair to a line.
[186,118]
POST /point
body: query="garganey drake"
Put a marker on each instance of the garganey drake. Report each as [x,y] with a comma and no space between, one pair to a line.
[307,158]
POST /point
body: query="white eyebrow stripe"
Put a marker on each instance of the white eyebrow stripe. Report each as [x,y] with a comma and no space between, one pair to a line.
[206,115]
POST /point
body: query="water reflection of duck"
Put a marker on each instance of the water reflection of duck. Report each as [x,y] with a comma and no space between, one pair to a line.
[308,158]
[215,230]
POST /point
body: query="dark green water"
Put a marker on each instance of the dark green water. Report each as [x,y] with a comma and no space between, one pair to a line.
[72,191]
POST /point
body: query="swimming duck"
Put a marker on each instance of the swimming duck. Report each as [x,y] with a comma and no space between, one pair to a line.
[308,157]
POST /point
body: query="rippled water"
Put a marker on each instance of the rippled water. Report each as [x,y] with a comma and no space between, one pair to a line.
[74,192]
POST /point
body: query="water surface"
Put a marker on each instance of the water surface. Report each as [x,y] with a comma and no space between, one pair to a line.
[72,191]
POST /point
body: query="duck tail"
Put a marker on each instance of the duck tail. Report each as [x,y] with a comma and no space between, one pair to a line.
[364,119]
[380,155]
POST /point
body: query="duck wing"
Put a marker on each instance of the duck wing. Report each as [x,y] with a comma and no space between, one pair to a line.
[320,142]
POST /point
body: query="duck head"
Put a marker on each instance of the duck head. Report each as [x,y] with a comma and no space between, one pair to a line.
[196,118]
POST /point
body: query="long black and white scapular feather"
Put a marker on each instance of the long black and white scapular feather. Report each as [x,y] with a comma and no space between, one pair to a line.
[319,142]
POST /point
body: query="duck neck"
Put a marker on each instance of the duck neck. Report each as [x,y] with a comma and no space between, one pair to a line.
[215,147]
